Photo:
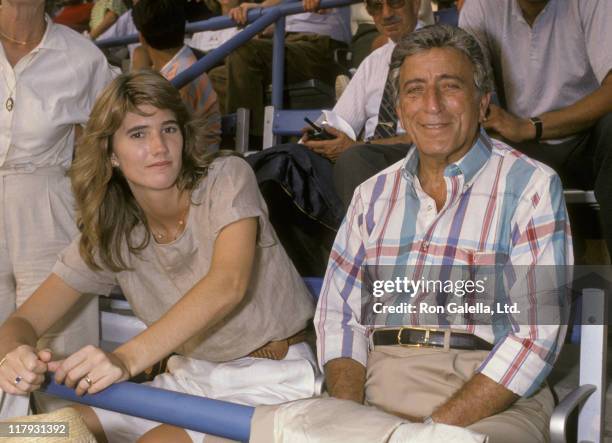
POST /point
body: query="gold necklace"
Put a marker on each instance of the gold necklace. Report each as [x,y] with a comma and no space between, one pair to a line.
[179,229]
[19,42]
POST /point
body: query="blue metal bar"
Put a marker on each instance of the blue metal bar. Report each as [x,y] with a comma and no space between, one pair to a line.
[212,24]
[278,68]
[218,54]
[216,417]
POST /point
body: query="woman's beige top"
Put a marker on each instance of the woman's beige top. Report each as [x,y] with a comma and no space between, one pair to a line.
[277,303]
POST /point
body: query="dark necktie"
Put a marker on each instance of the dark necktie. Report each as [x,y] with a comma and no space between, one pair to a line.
[387,116]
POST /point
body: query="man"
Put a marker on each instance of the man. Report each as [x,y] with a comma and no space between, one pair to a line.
[161,24]
[364,101]
[458,198]
[553,72]
[309,49]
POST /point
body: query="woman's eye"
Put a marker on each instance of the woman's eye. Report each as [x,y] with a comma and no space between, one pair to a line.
[170,129]
[137,134]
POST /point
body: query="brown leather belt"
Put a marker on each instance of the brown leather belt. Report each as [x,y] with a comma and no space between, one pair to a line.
[429,337]
[277,350]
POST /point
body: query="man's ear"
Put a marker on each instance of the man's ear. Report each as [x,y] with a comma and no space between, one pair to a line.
[483,108]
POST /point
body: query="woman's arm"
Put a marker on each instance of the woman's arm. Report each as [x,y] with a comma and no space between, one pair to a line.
[18,335]
[109,19]
[205,304]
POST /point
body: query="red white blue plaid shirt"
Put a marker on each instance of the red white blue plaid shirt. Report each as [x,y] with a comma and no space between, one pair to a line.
[498,202]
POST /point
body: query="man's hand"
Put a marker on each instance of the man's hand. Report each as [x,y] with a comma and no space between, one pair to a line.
[89,370]
[332,148]
[508,126]
[239,13]
[345,379]
[311,5]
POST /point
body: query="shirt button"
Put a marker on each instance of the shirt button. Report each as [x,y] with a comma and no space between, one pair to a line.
[424,246]
[429,207]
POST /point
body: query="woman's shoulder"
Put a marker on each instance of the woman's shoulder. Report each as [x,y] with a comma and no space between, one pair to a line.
[76,45]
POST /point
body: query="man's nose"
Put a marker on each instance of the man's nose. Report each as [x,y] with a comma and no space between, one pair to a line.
[387,11]
[432,99]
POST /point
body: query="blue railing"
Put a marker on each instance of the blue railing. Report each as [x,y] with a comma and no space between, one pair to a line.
[215,417]
[258,19]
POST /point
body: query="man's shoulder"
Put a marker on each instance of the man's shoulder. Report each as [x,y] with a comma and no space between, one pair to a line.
[519,166]
[379,54]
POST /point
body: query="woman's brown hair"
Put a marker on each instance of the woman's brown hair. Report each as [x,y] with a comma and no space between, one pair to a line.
[107,212]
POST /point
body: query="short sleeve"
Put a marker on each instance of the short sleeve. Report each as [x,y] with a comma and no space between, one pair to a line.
[71,268]
[595,17]
[234,195]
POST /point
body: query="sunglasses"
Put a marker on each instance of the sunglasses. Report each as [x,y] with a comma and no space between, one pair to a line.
[376,6]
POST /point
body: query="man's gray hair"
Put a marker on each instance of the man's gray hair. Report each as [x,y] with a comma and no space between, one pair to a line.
[443,36]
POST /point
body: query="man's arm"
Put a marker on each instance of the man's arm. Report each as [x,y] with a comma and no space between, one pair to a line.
[109,19]
[332,149]
[556,124]
[479,398]
[345,379]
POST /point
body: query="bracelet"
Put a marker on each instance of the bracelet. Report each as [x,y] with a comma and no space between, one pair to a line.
[537,123]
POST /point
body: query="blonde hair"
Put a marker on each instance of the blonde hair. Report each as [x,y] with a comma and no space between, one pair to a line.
[107,212]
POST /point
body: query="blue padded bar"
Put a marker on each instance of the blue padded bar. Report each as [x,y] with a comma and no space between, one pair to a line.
[225,419]
[290,122]
[212,24]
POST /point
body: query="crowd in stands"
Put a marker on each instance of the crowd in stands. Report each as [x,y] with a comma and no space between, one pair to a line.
[448,147]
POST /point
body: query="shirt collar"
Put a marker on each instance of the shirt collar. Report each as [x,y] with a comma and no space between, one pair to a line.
[518,13]
[183,53]
[51,39]
[468,166]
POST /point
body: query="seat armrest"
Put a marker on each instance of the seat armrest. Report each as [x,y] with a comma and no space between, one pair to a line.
[561,413]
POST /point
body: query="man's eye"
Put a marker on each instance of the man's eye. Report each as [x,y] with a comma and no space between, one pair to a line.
[414,90]
[451,86]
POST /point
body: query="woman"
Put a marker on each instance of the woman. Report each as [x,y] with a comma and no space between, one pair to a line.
[49,79]
[187,238]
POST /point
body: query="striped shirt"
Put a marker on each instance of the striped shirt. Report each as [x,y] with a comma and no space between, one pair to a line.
[199,96]
[499,203]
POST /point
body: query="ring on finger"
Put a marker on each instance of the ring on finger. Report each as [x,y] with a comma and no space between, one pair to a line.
[18,379]
[88,380]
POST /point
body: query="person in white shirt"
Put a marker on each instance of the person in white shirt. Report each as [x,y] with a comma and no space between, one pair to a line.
[49,79]
[360,104]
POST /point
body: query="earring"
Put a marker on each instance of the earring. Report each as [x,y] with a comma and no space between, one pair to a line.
[114,161]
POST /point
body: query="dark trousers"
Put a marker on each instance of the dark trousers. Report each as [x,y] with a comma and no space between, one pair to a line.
[583,163]
[361,162]
[241,81]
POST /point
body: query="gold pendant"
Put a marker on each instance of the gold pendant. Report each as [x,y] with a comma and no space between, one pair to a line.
[9,104]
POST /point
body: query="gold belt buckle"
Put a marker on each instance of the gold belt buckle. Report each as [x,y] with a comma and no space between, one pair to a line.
[425,343]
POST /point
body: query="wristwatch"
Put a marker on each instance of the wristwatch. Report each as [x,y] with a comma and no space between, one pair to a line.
[537,123]
[428,420]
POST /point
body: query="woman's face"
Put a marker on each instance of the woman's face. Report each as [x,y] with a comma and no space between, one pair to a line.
[148,149]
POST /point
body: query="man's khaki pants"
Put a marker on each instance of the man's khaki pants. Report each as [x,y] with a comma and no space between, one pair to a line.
[414,381]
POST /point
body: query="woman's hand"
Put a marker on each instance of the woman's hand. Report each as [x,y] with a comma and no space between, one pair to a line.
[239,13]
[89,370]
[23,370]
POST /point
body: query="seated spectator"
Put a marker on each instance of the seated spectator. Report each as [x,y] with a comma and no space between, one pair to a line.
[123,27]
[366,107]
[458,198]
[161,24]
[366,37]
[553,75]
[74,14]
[103,15]
[306,173]
[186,237]
[309,53]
